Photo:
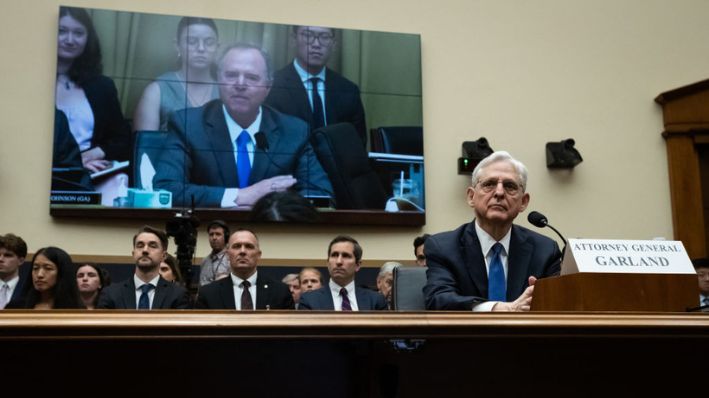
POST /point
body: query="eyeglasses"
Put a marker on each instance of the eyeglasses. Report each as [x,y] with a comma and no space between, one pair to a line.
[324,38]
[510,187]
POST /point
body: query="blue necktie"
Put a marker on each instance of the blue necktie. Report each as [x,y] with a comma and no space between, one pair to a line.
[318,114]
[144,301]
[243,165]
[346,306]
[496,277]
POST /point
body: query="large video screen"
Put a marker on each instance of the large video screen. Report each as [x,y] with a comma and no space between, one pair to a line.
[235,119]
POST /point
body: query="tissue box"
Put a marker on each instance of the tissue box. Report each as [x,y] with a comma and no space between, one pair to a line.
[149,199]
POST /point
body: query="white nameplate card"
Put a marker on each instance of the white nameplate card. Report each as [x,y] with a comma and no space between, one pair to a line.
[626,257]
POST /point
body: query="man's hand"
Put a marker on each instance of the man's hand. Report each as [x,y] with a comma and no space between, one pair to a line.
[523,302]
[250,195]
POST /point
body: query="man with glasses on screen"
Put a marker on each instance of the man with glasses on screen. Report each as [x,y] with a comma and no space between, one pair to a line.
[306,88]
[233,151]
[490,264]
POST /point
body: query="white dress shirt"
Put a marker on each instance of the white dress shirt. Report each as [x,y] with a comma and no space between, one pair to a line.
[151,294]
[337,299]
[239,289]
[486,243]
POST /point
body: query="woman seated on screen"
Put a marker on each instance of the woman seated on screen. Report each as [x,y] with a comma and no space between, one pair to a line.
[90,102]
[53,282]
[192,85]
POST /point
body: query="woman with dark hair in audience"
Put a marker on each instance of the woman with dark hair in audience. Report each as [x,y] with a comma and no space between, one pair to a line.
[53,282]
[91,280]
[192,85]
[89,99]
[169,269]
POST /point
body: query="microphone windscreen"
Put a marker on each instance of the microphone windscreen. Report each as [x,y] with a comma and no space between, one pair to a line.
[261,141]
[537,219]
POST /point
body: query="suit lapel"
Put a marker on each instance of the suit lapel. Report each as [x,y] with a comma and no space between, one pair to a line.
[263,294]
[518,263]
[219,143]
[331,96]
[160,293]
[129,294]
[363,300]
[474,258]
[226,293]
[326,299]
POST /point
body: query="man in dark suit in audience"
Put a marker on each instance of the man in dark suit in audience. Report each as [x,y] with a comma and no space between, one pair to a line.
[701,265]
[233,151]
[13,251]
[328,100]
[146,289]
[244,287]
[344,258]
[490,264]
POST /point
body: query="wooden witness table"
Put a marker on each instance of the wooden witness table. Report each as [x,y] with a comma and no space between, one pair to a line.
[282,353]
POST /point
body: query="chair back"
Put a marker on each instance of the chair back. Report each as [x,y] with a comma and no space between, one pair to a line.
[403,140]
[407,289]
[341,153]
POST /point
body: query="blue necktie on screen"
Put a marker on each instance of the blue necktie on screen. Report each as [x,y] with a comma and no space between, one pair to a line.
[346,306]
[144,301]
[496,276]
[318,114]
[243,165]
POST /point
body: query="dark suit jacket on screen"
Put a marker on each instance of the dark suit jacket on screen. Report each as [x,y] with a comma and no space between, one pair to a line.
[111,132]
[119,296]
[219,295]
[198,159]
[321,299]
[457,276]
[342,99]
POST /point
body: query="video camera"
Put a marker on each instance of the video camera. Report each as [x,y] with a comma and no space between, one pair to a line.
[183,227]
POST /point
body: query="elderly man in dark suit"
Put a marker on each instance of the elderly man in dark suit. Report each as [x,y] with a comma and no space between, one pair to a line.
[233,151]
[146,290]
[244,289]
[307,89]
[490,264]
[344,258]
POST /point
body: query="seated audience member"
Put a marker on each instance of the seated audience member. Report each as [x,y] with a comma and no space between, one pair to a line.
[236,169]
[13,251]
[245,289]
[90,100]
[344,260]
[146,289]
[216,264]
[191,86]
[310,279]
[91,280]
[490,264]
[385,280]
[294,286]
[418,249]
[53,282]
[307,89]
[701,265]
[169,270]
[284,206]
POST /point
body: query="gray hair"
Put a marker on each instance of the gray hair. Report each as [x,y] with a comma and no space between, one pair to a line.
[290,277]
[388,268]
[247,46]
[501,156]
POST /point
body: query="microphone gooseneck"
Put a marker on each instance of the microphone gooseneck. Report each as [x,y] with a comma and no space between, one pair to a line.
[539,220]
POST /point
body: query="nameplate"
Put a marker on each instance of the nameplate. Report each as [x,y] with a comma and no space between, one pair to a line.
[74,198]
[626,257]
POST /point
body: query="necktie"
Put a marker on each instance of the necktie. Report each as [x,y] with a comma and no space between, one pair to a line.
[243,165]
[144,301]
[4,295]
[318,114]
[496,276]
[346,306]
[246,303]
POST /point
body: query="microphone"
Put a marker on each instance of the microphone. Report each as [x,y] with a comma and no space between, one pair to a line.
[261,142]
[539,220]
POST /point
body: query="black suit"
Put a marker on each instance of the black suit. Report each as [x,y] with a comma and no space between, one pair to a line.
[342,99]
[321,299]
[457,276]
[119,296]
[198,157]
[219,295]
[111,132]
